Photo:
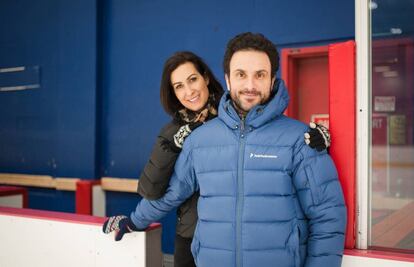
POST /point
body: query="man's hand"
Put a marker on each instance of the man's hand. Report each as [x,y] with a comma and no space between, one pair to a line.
[318,137]
[120,224]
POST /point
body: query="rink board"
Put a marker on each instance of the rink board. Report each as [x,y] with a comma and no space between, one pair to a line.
[41,238]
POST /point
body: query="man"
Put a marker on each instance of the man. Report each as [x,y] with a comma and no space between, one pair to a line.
[266,198]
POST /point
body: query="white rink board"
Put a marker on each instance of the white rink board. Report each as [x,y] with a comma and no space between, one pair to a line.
[355,261]
[98,201]
[41,242]
[33,241]
[15,201]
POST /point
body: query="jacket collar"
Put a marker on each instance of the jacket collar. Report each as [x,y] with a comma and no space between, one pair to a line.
[258,115]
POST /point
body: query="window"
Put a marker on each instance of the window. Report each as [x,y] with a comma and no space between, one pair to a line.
[392,122]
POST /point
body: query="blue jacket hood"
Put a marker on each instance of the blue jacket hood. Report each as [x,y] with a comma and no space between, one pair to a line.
[258,115]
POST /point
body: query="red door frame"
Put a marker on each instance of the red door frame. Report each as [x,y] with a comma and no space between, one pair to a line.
[290,59]
[342,114]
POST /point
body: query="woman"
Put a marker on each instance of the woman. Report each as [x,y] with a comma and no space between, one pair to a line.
[190,94]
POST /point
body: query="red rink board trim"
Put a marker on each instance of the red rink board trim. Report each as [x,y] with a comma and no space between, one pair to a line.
[61,216]
[380,255]
[11,190]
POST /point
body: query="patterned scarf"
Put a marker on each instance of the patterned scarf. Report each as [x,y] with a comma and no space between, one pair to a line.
[209,111]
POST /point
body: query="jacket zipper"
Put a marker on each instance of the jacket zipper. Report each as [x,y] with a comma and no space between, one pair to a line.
[240,193]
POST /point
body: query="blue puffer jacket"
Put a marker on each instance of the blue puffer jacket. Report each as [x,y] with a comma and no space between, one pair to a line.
[266,198]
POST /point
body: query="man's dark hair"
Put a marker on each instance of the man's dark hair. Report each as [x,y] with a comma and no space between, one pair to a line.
[168,99]
[251,41]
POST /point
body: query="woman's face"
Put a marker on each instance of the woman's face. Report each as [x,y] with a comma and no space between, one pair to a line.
[190,87]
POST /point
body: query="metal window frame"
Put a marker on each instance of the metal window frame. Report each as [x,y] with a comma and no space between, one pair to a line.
[363,105]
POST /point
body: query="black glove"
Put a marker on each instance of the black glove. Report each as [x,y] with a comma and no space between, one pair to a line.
[318,137]
[177,140]
[120,224]
[183,132]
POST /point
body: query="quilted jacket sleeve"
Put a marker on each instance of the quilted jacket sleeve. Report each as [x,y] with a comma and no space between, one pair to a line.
[156,175]
[182,185]
[321,198]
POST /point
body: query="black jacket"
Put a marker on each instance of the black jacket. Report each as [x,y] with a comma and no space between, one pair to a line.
[156,175]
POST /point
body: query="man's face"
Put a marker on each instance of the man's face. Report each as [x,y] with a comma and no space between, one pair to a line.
[249,79]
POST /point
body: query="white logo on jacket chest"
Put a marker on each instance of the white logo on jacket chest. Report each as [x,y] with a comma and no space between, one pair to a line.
[265,156]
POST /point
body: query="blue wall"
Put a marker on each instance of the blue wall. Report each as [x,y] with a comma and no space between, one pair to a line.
[97,112]
[49,130]
[140,35]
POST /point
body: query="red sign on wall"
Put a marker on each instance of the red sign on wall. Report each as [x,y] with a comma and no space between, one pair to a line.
[322,119]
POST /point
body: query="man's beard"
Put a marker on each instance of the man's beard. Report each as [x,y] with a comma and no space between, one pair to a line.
[238,103]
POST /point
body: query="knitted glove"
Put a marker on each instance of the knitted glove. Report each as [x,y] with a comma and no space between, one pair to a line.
[183,132]
[318,137]
[120,224]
